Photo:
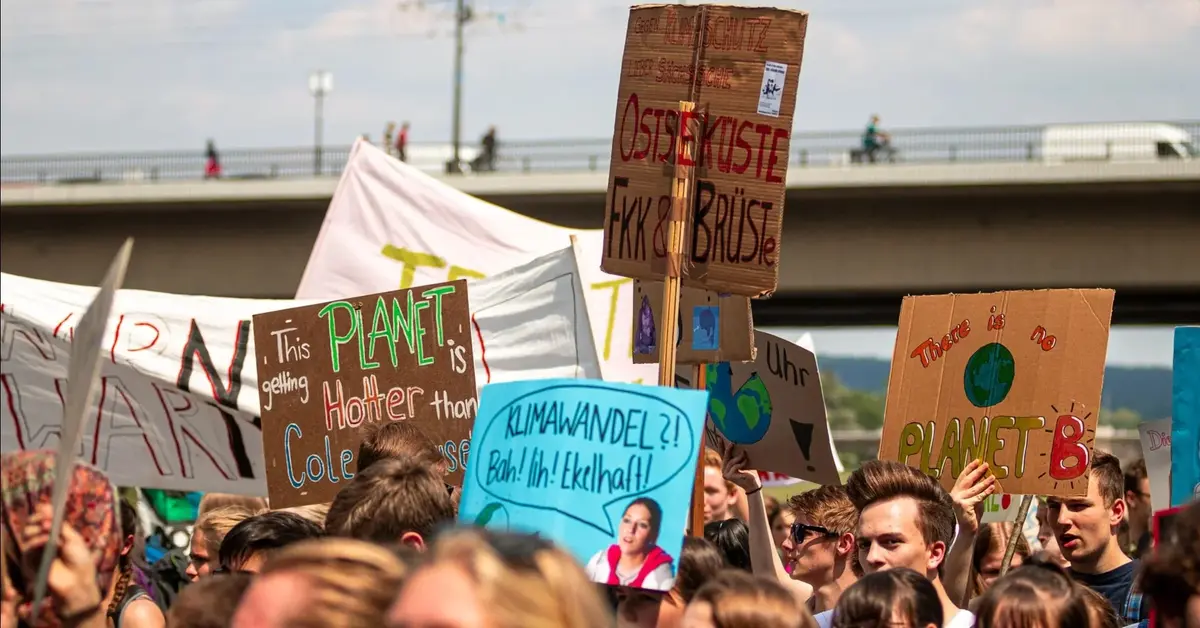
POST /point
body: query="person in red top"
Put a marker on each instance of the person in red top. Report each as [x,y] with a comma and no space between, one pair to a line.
[402,142]
[212,166]
[635,560]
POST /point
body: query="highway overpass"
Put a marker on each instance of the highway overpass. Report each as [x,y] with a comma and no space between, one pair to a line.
[856,237]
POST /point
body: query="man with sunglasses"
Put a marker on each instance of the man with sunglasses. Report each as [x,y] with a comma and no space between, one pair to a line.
[820,547]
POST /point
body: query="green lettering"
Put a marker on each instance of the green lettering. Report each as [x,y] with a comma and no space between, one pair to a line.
[410,261]
[1023,425]
[362,343]
[436,295]
[911,438]
[404,322]
[336,339]
[995,444]
[414,311]
[382,328]
[974,442]
[950,449]
[927,448]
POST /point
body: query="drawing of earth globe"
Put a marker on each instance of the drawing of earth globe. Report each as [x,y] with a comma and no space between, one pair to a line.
[989,374]
[494,516]
[749,418]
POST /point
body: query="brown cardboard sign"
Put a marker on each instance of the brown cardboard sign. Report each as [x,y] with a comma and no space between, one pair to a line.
[740,66]
[328,370]
[712,327]
[1012,377]
[774,409]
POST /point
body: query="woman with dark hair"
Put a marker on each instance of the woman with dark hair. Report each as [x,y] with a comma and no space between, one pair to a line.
[896,597]
[128,603]
[732,537]
[635,560]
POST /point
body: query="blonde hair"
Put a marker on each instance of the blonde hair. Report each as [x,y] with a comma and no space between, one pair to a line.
[313,512]
[215,523]
[740,600]
[547,590]
[352,583]
[213,501]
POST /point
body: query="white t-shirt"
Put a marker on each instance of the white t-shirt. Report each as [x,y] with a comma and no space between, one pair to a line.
[661,579]
[962,619]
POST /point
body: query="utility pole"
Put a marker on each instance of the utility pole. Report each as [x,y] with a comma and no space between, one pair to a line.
[320,83]
[462,14]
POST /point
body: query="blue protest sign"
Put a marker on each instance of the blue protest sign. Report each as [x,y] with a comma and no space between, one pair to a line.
[604,469]
[1185,417]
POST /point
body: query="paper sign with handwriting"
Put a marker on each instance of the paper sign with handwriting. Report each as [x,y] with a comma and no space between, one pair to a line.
[740,66]
[1010,377]
[604,469]
[1185,417]
[1156,452]
[330,369]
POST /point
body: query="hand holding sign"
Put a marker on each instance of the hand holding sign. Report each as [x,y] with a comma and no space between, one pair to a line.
[970,491]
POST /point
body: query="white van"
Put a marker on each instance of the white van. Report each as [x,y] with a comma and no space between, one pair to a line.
[432,158]
[1126,141]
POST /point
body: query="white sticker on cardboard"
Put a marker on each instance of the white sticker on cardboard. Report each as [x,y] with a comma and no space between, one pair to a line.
[770,96]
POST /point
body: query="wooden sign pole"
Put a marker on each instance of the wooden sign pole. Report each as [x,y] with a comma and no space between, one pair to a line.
[699,383]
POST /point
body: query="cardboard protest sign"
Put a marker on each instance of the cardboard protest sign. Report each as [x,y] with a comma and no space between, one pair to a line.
[712,327]
[1156,452]
[774,409]
[740,66]
[1001,508]
[1013,378]
[603,469]
[1185,417]
[83,384]
[327,370]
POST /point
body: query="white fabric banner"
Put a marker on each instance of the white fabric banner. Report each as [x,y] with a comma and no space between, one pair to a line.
[178,402]
[390,226]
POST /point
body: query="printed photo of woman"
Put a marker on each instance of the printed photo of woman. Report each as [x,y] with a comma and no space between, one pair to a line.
[635,560]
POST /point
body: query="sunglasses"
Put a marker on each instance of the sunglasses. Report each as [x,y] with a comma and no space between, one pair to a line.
[801,531]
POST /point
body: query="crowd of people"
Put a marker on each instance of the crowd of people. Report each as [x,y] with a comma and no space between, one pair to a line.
[890,547]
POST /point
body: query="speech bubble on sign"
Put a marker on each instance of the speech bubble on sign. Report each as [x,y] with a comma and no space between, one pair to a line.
[582,461]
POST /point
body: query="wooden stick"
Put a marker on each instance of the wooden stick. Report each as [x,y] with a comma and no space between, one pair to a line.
[699,383]
[1018,529]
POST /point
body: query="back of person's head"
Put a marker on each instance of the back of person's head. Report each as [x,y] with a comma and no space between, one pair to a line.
[391,501]
[1106,471]
[878,481]
[209,602]
[216,523]
[1171,575]
[349,583]
[1038,594]
[1134,474]
[521,581]
[400,440]
[256,538]
[736,599]
[829,507]
[699,561]
[889,598]
[732,538]
[213,501]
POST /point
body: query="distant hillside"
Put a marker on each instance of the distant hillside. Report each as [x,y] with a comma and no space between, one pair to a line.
[1145,390]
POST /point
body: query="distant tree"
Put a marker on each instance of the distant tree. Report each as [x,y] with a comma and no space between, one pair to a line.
[1120,419]
[850,409]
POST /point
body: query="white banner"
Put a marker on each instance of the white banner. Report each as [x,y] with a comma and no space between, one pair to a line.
[392,226]
[178,401]
[1156,451]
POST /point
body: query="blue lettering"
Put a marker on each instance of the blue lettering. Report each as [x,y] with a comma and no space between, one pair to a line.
[347,458]
[328,456]
[315,476]
[287,453]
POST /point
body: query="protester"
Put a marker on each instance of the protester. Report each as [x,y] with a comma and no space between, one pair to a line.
[732,538]
[987,559]
[1171,576]
[720,494]
[392,501]
[213,501]
[636,559]
[323,583]
[209,603]
[896,597]
[250,543]
[905,520]
[484,579]
[1139,510]
[208,533]
[736,599]
[971,488]
[399,440]
[315,513]
[699,561]
[402,142]
[88,548]
[128,603]
[1039,594]
[780,519]
[1086,530]
[1045,536]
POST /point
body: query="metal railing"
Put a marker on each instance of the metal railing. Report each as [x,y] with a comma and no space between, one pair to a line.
[808,149]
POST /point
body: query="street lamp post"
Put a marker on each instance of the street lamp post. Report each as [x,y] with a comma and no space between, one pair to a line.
[320,83]
[462,15]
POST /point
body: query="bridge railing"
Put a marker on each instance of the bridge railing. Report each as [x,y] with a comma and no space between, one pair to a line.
[808,149]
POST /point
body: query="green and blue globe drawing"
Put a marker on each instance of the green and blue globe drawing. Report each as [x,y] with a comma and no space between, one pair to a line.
[743,416]
[988,377]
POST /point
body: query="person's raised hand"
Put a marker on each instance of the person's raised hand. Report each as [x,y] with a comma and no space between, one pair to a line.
[972,487]
[734,467]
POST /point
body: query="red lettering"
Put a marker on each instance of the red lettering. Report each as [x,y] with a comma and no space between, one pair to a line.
[687,140]
[1068,431]
[774,159]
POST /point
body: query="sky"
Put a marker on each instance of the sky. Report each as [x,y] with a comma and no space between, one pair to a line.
[122,75]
